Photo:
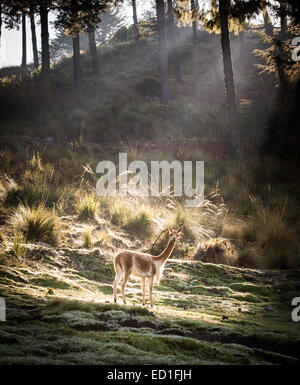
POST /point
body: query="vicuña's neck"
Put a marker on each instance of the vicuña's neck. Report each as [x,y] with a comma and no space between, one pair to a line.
[166,253]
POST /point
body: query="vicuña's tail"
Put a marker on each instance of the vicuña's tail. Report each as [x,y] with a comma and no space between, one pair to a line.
[117,264]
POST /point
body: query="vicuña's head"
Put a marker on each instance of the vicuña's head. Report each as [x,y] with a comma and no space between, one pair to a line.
[175,234]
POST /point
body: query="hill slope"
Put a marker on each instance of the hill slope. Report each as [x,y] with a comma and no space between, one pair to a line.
[204,313]
[123,101]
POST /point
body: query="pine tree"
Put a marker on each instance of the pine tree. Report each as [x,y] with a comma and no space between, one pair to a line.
[135,21]
[33,37]
[24,39]
[194,9]
[163,57]
[172,42]
[75,17]
[93,49]
[44,10]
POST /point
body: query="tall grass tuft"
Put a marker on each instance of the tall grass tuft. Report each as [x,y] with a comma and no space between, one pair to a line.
[86,237]
[271,241]
[103,238]
[37,224]
[36,194]
[18,248]
[3,240]
[217,250]
[198,223]
[140,223]
[11,191]
[87,207]
[119,213]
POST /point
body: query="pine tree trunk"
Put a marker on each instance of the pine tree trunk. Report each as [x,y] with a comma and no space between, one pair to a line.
[0,26]
[45,44]
[194,6]
[283,19]
[33,38]
[177,65]
[93,51]
[0,21]
[135,21]
[76,63]
[267,23]
[281,75]
[24,45]
[172,43]
[228,78]
[164,71]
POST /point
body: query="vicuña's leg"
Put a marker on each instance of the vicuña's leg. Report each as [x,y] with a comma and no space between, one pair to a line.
[117,280]
[125,279]
[143,289]
[150,289]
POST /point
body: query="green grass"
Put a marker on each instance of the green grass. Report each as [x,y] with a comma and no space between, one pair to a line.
[63,328]
[59,295]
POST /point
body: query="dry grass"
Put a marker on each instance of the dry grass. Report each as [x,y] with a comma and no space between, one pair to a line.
[217,250]
[261,228]
[87,207]
[103,238]
[10,190]
[271,241]
[118,213]
[141,223]
[3,239]
[18,248]
[36,224]
[86,237]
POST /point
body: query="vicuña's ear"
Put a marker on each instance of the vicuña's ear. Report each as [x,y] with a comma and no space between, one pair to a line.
[179,231]
[170,230]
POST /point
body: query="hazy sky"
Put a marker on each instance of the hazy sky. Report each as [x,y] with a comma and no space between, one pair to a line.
[11,44]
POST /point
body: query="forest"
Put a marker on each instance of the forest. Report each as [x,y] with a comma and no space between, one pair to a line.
[167,83]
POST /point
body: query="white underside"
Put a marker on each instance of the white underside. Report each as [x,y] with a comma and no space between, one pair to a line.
[136,272]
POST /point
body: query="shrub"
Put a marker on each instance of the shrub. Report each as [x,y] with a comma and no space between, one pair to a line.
[148,87]
[37,224]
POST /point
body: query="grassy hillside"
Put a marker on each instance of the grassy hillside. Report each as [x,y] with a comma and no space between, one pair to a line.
[58,240]
[123,101]
[226,292]
[60,311]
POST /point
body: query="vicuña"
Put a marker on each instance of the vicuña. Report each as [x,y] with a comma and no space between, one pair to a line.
[142,265]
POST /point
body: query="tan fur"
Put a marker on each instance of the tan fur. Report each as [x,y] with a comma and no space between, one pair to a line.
[142,265]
